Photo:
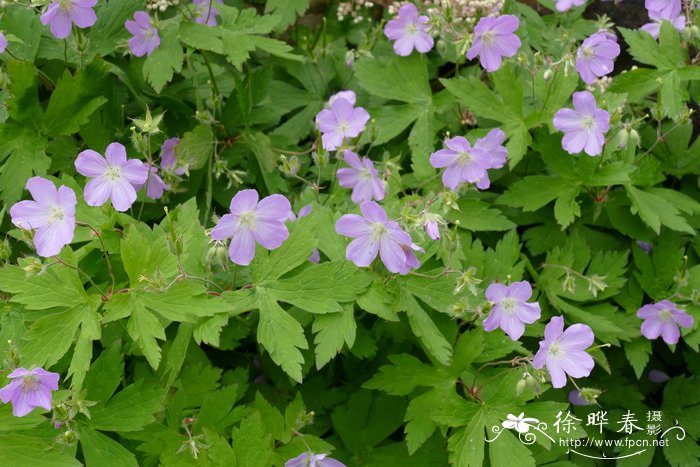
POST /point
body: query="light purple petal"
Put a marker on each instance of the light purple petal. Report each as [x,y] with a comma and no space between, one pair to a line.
[273,208]
[225,228]
[392,255]
[242,248]
[97,191]
[353,226]
[42,190]
[270,234]
[50,239]
[362,251]
[116,154]
[244,201]
[122,195]
[90,163]
[373,212]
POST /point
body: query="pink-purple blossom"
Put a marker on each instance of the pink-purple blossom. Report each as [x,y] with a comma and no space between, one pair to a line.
[409,31]
[671,12]
[575,398]
[168,157]
[349,96]
[564,5]
[595,56]
[511,311]
[663,319]
[51,215]
[658,376]
[251,222]
[61,14]
[666,7]
[205,11]
[362,177]
[373,234]
[313,460]
[464,163]
[585,125]
[564,352]
[30,389]
[342,120]
[3,43]
[432,229]
[155,186]
[145,38]
[114,178]
[494,39]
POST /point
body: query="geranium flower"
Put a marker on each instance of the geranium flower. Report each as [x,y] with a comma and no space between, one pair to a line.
[313,460]
[595,56]
[563,352]
[362,177]
[61,14]
[585,126]
[3,43]
[30,389]
[349,96]
[155,186]
[168,158]
[408,31]
[665,7]
[114,178]
[494,39]
[564,5]
[340,121]
[205,12]
[432,229]
[466,164]
[250,222]
[145,38]
[373,234]
[511,312]
[51,214]
[663,319]
[672,13]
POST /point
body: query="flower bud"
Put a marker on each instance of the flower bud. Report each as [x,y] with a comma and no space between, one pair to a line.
[548,74]
[634,137]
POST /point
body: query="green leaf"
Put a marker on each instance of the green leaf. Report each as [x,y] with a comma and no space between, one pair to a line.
[644,48]
[656,211]
[130,410]
[425,330]
[282,336]
[535,191]
[638,352]
[420,140]
[24,153]
[30,451]
[167,58]
[294,252]
[56,287]
[196,146]
[24,24]
[332,331]
[144,328]
[478,216]
[379,78]
[466,445]
[146,257]
[75,99]
[673,95]
[286,10]
[566,208]
[104,451]
[105,374]
[252,443]
[109,29]
[405,374]
[473,94]
[50,337]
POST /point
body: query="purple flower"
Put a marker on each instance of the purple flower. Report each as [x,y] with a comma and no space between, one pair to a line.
[464,163]
[145,35]
[408,30]
[575,398]
[671,13]
[313,460]
[362,177]
[155,186]
[51,214]
[511,312]
[646,246]
[595,56]
[168,158]
[61,13]
[205,12]
[564,5]
[29,389]
[494,39]
[250,222]
[115,178]
[303,212]
[658,376]
[3,43]
[341,121]
[670,8]
[663,319]
[373,233]
[585,126]
[431,228]
[349,96]
[563,352]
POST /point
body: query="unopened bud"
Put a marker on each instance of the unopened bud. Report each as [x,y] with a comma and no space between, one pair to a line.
[548,73]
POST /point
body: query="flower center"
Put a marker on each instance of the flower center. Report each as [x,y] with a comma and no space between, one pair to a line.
[366,175]
[665,315]
[57,214]
[554,350]
[378,230]
[463,158]
[412,29]
[508,304]
[248,219]
[113,172]
[29,383]
[488,37]
[343,126]
[65,5]
[587,52]
[588,122]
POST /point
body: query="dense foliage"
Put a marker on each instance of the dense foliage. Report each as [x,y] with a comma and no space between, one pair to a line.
[455,233]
